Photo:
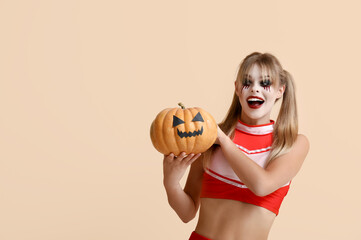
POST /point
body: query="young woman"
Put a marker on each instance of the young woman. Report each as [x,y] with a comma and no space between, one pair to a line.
[239,184]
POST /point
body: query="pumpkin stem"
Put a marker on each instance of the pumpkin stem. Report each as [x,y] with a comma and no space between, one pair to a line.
[181,105]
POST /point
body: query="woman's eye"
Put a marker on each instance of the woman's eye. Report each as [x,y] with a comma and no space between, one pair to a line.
[246,82]
[266,83]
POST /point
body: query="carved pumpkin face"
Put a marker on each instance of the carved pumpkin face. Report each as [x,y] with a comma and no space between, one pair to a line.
[189,130]
[177,121]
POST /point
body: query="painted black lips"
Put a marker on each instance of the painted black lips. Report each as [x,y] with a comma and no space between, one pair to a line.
[190,134]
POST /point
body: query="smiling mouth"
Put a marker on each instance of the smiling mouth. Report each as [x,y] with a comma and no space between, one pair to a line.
[189,134]
[255,102]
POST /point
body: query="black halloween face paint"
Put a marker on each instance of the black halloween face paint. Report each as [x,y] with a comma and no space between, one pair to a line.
[266,84]
[245,84]
[189,134]
[177,121]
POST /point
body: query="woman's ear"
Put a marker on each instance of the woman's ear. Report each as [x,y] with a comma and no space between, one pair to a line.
[236,86]
[280,92]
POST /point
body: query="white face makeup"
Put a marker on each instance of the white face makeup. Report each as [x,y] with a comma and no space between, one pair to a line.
[257,95]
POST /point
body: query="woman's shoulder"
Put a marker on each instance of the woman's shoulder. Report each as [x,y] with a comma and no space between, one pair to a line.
[303,139]
[301,144]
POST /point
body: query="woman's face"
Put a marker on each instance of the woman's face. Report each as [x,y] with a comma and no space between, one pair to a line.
[257,95]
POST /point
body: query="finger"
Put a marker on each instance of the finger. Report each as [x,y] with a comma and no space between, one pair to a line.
[169,157]
[181,156]
[187,158]
[193,159]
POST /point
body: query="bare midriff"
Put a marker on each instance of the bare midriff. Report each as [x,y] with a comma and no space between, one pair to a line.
[233,220]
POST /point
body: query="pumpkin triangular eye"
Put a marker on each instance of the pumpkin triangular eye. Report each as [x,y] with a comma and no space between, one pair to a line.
[198,118]
[177,121]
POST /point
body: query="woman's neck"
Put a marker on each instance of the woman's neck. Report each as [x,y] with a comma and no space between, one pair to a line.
[259,121]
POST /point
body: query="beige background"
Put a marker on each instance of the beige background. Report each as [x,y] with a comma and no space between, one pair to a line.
[81,82]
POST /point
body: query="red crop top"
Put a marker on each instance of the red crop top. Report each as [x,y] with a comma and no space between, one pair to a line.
[220,181]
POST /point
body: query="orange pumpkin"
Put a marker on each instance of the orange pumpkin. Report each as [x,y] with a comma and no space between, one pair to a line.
[189,130]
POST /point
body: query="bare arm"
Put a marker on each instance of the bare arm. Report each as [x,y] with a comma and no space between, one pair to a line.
[263,181]
[184,202]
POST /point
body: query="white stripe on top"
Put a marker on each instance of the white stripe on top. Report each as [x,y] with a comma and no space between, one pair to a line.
[255,130]
[253,151]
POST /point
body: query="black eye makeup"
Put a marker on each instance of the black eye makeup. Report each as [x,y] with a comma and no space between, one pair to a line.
[265,83]
[246,83]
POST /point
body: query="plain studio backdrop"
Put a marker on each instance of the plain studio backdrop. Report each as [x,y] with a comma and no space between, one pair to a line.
[81,82]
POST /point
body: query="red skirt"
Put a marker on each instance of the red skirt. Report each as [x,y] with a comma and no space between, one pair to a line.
[196,236]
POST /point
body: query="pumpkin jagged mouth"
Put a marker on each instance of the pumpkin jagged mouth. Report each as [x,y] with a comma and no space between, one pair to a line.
[189,134]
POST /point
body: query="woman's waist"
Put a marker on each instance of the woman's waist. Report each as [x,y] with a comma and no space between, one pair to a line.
[230,219]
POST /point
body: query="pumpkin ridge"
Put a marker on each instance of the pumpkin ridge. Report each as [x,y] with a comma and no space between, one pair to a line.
[194,112]
[190,141]
[159,141]
[163,142]
[179,112]
[166,133]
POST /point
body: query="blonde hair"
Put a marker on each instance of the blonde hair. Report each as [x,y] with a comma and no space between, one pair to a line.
[285,129]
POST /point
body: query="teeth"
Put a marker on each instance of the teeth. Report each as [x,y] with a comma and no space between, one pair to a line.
[255,99]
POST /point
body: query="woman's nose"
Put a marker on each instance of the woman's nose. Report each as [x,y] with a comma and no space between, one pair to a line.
[254,88]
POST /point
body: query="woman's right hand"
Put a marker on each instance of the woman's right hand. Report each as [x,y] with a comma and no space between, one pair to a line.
[174,167]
